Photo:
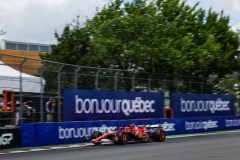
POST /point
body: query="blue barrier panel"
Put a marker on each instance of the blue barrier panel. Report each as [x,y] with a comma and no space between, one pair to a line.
[42,134]
[201,124]
[82,105]
[232,122]
[28,135]
[202,105]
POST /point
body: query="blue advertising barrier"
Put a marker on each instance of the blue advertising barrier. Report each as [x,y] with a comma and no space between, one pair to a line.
[83,105]
[202,105]
[42,134]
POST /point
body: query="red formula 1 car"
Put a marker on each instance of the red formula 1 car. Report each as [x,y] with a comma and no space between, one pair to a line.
[131,133]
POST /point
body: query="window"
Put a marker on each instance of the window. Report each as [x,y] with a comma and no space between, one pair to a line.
[11,46]
[44,49]
[33,48]
[22,47]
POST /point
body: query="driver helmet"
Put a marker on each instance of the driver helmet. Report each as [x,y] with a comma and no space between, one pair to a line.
[131,125]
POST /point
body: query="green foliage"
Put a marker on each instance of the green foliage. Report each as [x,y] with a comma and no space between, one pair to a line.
[160,36]
[73,46]
[229,85]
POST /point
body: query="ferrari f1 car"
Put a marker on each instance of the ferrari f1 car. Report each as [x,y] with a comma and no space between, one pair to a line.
[131,133]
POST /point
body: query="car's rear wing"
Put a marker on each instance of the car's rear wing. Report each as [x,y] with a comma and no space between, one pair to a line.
[149,126]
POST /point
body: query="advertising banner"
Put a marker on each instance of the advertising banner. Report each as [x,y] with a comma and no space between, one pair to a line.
[10,138]
[83,105]
[202,105]
[42,134]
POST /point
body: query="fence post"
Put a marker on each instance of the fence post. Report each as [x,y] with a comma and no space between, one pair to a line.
[149,82]
[59,92]
[96,78]
[76,78]
[41,96]
[20,85]
[115,80]
[133,78]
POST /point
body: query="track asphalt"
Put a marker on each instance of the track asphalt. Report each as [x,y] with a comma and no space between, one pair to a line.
[43,148]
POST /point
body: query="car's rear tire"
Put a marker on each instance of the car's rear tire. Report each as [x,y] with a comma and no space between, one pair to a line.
[122,137]
[159,135]
[95,135]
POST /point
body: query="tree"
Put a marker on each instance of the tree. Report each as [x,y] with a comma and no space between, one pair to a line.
[157,36]
[73,45]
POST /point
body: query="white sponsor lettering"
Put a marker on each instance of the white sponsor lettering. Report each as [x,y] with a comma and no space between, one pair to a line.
[201,125]
[204,106]
[113,106]
[65,133]
[6,138]
[166,126]
[232,122]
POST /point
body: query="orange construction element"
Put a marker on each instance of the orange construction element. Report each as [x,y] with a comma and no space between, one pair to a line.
[168,112]
[8,96]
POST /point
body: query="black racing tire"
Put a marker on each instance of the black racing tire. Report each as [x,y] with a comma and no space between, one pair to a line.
[159,135]
[95,135]
[122,137]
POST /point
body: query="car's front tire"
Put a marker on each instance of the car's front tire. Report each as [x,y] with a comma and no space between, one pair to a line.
[95,135]
[122,137]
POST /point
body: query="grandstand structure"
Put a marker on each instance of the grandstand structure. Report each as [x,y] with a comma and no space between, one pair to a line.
[23,49]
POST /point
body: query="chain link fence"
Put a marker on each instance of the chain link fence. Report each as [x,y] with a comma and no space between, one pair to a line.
[53,78]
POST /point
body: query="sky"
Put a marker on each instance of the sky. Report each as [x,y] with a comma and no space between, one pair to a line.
[36,21]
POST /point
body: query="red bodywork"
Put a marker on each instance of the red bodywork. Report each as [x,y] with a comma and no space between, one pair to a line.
[128,134]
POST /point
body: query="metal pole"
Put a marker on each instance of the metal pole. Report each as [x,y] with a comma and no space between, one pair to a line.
[115,80]
[59,92]
[238,96]
[20,86]
[41,97]
[149,81]
[76,78]
[133,78]
[96,78]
